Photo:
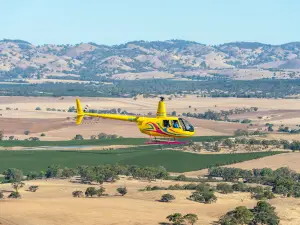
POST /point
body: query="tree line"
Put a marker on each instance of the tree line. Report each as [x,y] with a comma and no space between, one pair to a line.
[264,88]
[89,174]
[282,180]
[222,115]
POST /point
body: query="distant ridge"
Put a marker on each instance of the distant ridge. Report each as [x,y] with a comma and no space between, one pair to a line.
[21,59]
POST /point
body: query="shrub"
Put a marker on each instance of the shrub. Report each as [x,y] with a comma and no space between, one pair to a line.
[224,188]
[78,137]
[100,191]
[122,191]
[190,218]
[11,138]
[1,195]
[32,175]
[180,177]
[13,175]
[77,194]
[264,213]
[33,188]
[14,195]
[204,187]
[241,215]
[38,108]
[167,198]
[261,193]
[43,135]
[203,197]
[53,171]
[240,187]
[68,172]
[26,132]
[90,192]
[176,218]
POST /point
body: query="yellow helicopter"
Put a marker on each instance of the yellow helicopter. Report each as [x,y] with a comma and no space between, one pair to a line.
[164,126]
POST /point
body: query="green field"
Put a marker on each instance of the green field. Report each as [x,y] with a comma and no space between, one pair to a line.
[173,161]
[104,142]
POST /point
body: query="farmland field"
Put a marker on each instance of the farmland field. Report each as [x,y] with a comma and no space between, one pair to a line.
[173,161]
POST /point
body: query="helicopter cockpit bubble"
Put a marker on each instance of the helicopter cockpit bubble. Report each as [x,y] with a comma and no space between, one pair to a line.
[186,126]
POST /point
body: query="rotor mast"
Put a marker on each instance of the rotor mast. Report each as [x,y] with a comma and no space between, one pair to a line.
[161,109]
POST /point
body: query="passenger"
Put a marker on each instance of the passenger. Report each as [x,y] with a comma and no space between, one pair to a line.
[175,124]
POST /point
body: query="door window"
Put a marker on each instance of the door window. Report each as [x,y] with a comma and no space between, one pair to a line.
[166,123]
[175,124]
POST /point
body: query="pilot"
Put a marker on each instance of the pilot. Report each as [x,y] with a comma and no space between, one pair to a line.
[175,124]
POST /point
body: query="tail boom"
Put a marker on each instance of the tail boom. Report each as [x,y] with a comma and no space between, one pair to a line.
[81,114]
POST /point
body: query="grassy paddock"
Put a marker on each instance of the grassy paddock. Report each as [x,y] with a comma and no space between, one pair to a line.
[105,142]
[173,161]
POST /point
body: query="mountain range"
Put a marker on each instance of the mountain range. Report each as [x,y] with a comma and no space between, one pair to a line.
[20,59]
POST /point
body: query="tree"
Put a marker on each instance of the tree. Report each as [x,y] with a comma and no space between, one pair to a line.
[240,187]
[68,172]
[241,215]
[191,218]
[264,213]
[53,171]
[270,129]
[93,137]
[99,178]
[167,198]
[13,175]
[11,138]
[90,192]
[100,191]
[1,135]
[216,147]
[176,218]
[77,194]
[203,197]
[17,186]
[180,177]
[229,143]
[224,188]
[122,190]
[78,137]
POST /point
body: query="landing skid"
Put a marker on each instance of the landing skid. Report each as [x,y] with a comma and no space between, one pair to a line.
[166,142]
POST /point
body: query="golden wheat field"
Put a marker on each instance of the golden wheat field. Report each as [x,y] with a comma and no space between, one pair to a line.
[53,204]
[18,114]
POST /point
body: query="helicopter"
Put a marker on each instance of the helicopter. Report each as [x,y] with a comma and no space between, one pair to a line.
[161,126]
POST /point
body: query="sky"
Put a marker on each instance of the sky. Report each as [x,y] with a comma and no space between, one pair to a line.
[113,22]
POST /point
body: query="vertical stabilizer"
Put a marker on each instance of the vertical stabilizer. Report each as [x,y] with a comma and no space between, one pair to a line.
[80,113]
[161,109]
[79,108]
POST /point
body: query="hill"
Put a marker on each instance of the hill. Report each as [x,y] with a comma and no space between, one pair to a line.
[89,61]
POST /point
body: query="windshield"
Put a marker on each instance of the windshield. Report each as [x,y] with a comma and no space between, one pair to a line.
[186,126]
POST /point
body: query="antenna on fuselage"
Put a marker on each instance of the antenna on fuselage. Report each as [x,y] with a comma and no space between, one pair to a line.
[161,109]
